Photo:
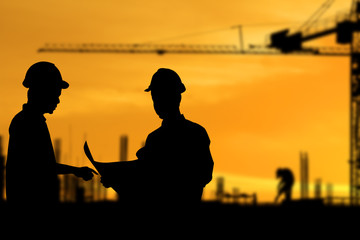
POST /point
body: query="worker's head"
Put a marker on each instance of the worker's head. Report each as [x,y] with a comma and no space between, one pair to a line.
[279,172]
[285,174]
[166,88]
[45,83]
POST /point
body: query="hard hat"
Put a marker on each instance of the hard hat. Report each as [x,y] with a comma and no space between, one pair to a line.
[44,74]
[166,80]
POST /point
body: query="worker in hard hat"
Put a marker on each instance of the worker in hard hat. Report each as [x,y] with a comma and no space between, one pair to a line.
[31,170]
[285,185]
[176,163]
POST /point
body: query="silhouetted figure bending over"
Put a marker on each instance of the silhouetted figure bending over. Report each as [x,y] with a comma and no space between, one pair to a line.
[286,183]
[175,164]
[31,170]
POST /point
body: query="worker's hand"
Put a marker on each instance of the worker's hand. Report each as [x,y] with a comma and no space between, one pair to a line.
[105,182]
[85,173]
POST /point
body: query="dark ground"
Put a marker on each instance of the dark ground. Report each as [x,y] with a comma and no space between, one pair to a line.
[296,220]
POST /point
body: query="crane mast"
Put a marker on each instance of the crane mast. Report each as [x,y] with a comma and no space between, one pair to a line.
[354,39]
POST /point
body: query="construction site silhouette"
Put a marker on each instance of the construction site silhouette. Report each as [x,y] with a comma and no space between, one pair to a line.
[175,164]
[169,175]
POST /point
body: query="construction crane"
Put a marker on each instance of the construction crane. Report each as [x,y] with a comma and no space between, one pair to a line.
[346,28]
[313,19]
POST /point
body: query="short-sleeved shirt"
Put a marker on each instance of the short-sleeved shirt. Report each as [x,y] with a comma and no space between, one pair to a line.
[31,165]
[176,160]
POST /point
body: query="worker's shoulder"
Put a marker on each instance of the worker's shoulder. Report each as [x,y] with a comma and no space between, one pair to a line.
[23,120]
[18,120]
[154,134]
[195,132]
[188,127]
[194,126]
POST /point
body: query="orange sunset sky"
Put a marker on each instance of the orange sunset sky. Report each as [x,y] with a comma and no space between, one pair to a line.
[260,111]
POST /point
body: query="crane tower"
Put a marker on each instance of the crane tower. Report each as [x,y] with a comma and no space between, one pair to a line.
[352,36]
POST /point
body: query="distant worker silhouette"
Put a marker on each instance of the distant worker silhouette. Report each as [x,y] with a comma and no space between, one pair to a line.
[286,183]
[31,170]
[176,163]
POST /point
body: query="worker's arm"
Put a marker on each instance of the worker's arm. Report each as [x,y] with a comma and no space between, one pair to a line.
[281,185]
[83,172]
[278,193]
[277,197]
[280,190]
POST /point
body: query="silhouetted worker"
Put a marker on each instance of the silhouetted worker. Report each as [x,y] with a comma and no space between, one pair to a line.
[175,164]
[31,170]
[286,183]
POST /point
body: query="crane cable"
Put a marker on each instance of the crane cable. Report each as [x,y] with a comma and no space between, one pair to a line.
[189,35]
